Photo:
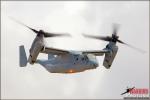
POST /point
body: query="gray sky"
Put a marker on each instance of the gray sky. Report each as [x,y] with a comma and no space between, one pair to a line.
[130,68]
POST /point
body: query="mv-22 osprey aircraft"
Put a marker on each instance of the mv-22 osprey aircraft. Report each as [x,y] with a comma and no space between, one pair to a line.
[64,61]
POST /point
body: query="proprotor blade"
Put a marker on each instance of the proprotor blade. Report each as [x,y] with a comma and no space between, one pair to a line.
[104,38]
[24,25]
[47,34]
[135,48]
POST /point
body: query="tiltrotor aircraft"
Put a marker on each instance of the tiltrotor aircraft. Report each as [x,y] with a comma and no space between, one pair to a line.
[63,61]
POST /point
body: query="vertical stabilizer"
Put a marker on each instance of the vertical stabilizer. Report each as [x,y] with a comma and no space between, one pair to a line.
[22,56]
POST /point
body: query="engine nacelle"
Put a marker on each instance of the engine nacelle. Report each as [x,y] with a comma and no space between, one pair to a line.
[109,57]
[35,49]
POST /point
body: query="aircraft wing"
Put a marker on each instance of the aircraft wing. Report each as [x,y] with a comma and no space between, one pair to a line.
[96,52]
[54,51]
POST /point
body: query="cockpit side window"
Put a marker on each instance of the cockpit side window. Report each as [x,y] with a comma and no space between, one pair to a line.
[84,59]
[80,59]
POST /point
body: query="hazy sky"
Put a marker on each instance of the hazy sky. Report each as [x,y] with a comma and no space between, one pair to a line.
[130,68]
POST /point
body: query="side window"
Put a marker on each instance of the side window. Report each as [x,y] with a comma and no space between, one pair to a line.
[76,59]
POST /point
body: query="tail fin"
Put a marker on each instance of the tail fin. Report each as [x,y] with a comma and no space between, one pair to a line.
[22,56]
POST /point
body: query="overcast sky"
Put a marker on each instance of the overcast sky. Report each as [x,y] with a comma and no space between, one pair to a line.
[130,68]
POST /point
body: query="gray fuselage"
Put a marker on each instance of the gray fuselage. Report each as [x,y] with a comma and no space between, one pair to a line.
[69,63]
